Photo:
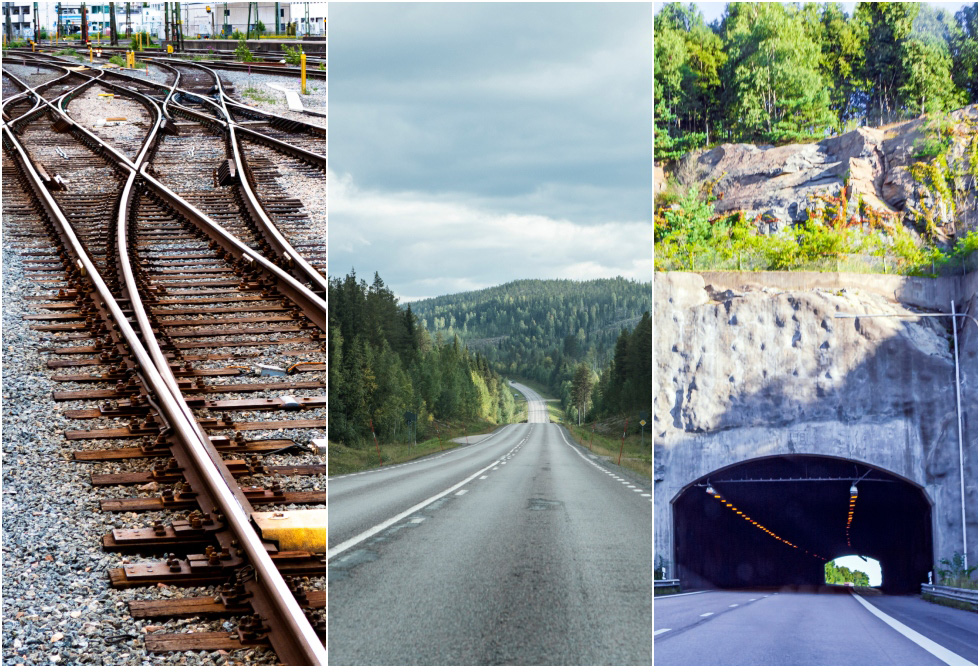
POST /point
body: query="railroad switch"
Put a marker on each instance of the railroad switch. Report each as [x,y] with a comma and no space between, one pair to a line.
[295,530]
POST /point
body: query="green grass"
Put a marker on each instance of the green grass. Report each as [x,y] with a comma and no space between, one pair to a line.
[665,590]
[66,52]
[607,440]
[343,459]
[946,602]
[520,404]
[255,94]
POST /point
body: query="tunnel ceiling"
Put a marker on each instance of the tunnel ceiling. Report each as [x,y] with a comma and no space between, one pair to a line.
[714,546]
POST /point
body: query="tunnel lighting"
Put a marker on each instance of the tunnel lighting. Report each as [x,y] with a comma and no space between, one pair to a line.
[712,491]
[854,491]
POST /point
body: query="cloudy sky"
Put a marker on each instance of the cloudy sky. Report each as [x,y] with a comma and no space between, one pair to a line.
[471,144]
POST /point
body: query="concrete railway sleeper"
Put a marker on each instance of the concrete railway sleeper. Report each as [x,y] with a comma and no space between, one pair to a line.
[152,383]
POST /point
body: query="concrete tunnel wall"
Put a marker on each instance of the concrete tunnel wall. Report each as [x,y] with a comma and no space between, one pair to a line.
[906,426]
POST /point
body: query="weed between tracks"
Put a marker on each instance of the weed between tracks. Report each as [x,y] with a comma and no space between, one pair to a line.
[342,459]
[255,94]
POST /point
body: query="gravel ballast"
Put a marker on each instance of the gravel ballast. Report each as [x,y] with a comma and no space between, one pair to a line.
[316,98]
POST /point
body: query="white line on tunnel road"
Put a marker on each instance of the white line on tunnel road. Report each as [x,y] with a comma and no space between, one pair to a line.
[660,632]
[938,651]
[752,600]
[710,613]
[732,605]
[343,546]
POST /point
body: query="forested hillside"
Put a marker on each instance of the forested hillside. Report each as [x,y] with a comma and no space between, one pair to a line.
[777,73]
[545,329]
[383,364]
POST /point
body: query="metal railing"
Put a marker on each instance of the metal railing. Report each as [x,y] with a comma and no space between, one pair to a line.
[666,583]
[959,594]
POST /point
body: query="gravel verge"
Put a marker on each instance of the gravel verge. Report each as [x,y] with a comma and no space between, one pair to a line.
[316,99]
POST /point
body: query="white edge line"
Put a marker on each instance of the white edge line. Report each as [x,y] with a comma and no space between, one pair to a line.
[661,631]
[343,546]
[938,651]
[697,592]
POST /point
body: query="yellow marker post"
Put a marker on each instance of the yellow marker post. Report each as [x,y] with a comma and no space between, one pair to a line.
[170,48]
[90,53]
[141,41]
[302,72]
[32,45]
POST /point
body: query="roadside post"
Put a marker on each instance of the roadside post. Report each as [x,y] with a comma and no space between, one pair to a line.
[380,463]
[642,425]
[591,436]
[623,442]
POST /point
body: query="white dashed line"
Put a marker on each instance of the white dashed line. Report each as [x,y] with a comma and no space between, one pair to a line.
[461,492]
[706,615]
[732,605]
[482,477]
[660,632]
[343,546]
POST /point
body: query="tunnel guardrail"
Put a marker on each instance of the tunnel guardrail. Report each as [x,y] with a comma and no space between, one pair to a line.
[666,583]
[961,594]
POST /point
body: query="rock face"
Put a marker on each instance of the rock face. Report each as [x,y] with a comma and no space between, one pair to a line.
[744,371]
[778,181]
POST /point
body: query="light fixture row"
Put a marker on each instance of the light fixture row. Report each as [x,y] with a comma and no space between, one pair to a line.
[850,512]
[714,493]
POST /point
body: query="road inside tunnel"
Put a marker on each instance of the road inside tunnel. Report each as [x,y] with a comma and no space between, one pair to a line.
[776,521]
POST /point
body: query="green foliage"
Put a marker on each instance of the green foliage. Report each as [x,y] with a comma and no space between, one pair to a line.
[382,364]
[134,42]
[237,34]
[323,66]
[255,94]
[116,59]
[955,572]
[781,72]
[292,55]
[259,27]
[242,53]
[68,52]
[844,575]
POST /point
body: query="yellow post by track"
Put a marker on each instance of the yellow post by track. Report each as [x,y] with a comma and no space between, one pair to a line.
[302,72]
[90,53]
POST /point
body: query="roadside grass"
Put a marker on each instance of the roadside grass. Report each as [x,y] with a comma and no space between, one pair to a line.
[343,459]
[946,602]
[636,457]
[665,590]
[520,403]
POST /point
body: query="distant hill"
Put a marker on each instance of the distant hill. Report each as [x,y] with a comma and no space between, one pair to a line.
[533,327]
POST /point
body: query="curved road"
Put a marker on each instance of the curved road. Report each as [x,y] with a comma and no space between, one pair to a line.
[520,549]
[824,627]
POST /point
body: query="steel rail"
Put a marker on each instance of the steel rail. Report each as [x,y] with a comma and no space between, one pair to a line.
[189,432]
[313,305]
[271,232]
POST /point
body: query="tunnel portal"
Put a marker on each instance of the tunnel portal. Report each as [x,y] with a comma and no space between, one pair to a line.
[788,515]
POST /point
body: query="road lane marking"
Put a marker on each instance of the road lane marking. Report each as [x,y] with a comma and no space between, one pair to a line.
[660,632]
[461,492]
[752,600]
[353,541]
[645,495]
[482,477]
[697,592]
[940,652]
[710,613]
[732,605]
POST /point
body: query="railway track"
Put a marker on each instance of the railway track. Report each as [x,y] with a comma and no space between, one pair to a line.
[190,366]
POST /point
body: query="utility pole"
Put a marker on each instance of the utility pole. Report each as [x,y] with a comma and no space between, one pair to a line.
[113,39]
[84,25]
[248,21]
[37,26]
[10,29]
[58,29]
[166,21]
[129,25]
[277,18]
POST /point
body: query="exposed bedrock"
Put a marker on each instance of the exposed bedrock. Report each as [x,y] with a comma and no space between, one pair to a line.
[779,181]
[746,369]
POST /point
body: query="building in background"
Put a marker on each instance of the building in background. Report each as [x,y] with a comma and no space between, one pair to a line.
[21,19]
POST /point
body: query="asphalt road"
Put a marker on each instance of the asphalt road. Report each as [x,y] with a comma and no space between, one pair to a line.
[543,557]
[804,628]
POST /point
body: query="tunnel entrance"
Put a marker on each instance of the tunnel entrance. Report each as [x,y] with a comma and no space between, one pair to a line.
[776,521]
[853,570]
